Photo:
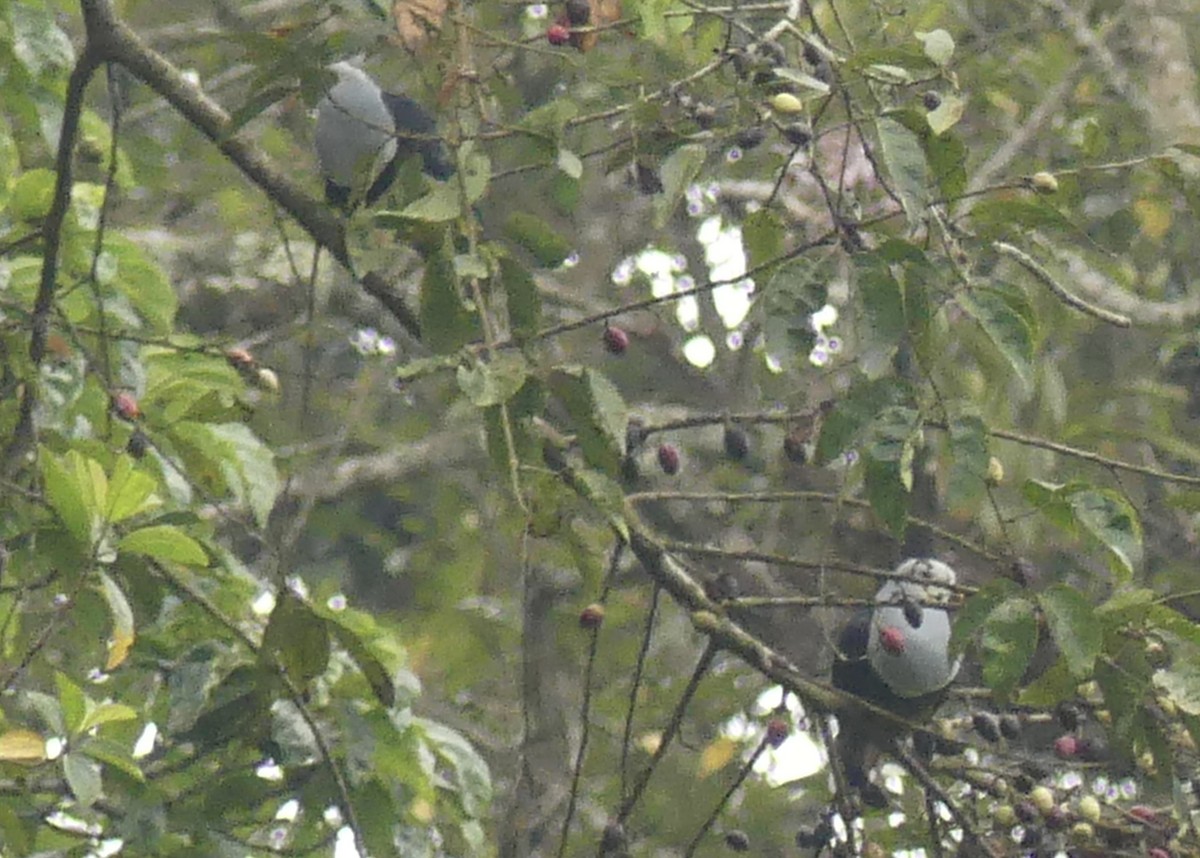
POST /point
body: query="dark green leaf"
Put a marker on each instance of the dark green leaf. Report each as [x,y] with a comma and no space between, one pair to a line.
[598,414]
[1110,518]
[1005,326]
[487,383]
[887,494]
[906,166]
[1073,626]
[843,426]
[1054,685]
[996,218]
[762,235]
[524,302]
[539,238]
[446,323]
[883,301]
[296,639]
[975,610]
[372,668]
[967,448]
[1007,644]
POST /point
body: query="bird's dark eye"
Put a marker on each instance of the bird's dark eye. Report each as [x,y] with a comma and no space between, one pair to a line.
[912,614]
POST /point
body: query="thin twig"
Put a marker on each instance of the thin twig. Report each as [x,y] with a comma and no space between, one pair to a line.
[1047,279]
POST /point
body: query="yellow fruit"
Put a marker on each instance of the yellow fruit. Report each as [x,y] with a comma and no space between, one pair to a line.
[1042,798]
[1089,808]
[785,102]
[1044,183]
[995,472]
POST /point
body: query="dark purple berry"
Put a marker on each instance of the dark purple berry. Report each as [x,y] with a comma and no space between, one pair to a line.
[737,840]
[931,100]
[668,459]
[615,340]
[985,725]
[737,443]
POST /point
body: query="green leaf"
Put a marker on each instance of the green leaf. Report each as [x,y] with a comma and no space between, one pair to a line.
[130,492]
[164,542]
[66,496]
[946,153]
[944,117]
[108,713]
[539,238]
[372,668]
[608,497]
[1054,685]
[296,639]
[996,218]
[762,235]
[492,382]
[974,612]
[83,777]
[967,446]
[906,166]
[1181,684]
[123,631]
[1073,626]
[446,323]
[72,701]
[37,41]
[598,413]
[678,172]
[1110,518]
[471,779]
[1007,643]
[524,302]
[887,494]
[1006,324]
[883,301]
[938,45]
[1050,499]
[249,469]
[32,195]
[842,426]
[142,282]
[889,74]
[550,119]
[113,754]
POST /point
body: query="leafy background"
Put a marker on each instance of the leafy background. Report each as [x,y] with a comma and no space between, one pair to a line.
[293,558]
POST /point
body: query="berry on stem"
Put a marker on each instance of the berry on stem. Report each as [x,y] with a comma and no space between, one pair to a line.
[668,459]
[615,340]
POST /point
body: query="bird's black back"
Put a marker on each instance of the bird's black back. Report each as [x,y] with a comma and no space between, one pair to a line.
[416,134]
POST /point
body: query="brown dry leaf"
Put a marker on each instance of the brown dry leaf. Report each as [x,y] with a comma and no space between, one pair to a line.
[417,20]
[604,12]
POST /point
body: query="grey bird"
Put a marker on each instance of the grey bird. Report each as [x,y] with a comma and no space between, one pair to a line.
[364,134]
[896,656]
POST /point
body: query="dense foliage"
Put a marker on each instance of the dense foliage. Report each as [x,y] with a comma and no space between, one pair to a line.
[494,520]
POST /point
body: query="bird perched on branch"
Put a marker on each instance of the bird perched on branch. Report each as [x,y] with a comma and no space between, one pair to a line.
[364,134]
[895,655]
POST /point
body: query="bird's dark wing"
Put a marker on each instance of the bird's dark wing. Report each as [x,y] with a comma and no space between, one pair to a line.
[862,735]
[416,134]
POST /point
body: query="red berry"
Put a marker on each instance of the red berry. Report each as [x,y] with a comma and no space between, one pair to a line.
[239,358]
[616,340]
[558,35]
[1066,747]
[668,459]
[1144,814]
[777,732]
[592,616]
[892,640]
[126,406]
